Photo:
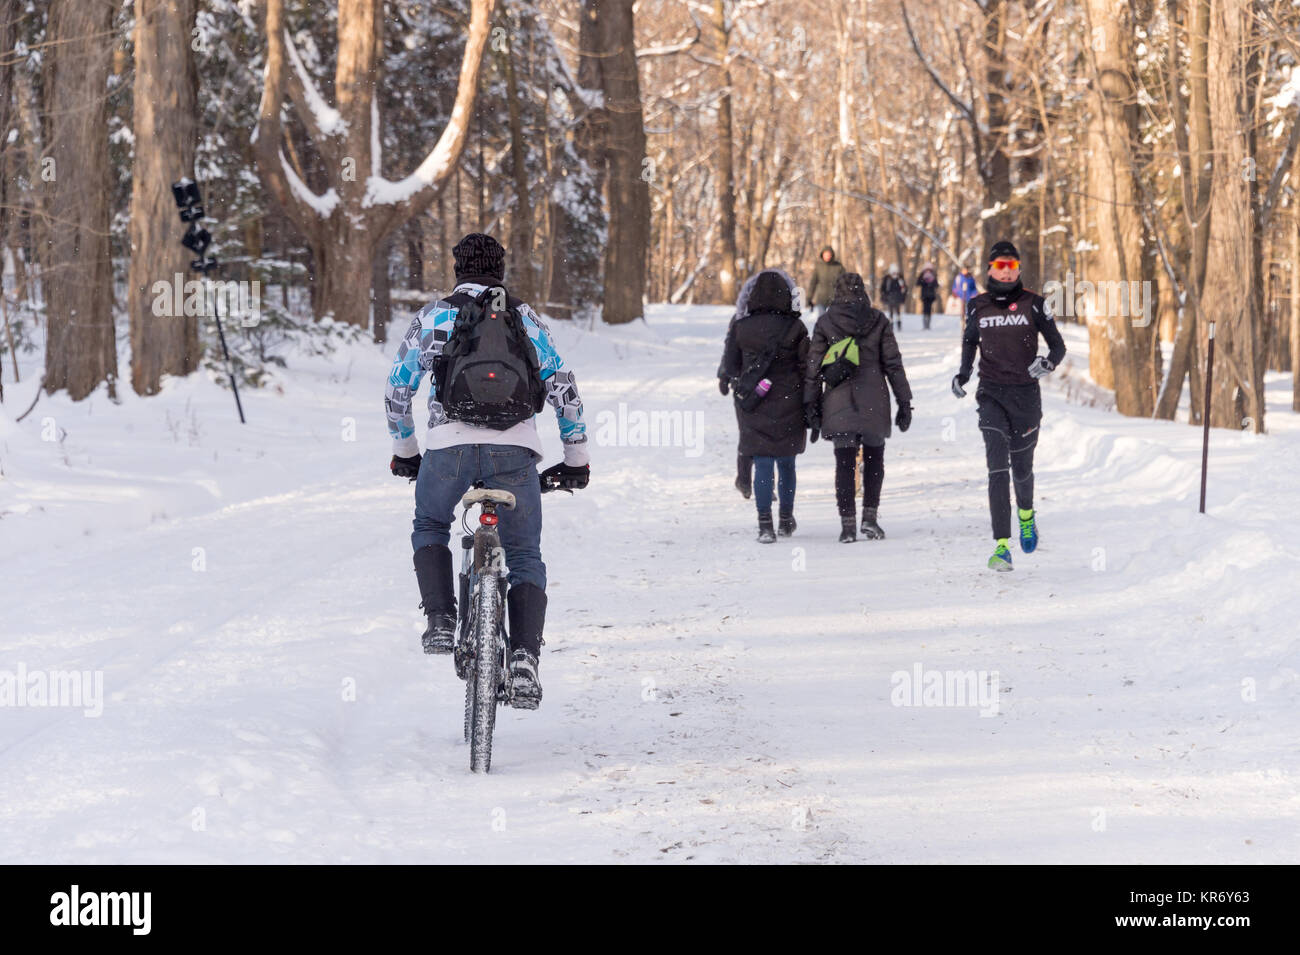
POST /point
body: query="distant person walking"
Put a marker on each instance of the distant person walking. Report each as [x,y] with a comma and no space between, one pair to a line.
[928,283]
[963,288]
[822,287]
[893,292]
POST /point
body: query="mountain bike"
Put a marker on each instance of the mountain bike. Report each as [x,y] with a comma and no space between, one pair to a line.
[482,644]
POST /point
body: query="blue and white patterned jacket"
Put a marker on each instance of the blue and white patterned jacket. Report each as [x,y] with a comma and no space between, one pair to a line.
[423,342]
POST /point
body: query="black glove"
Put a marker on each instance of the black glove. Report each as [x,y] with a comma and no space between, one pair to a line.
[563,477]
[958,380]
[723,386]
[814,435]
[406,467]
[904,417]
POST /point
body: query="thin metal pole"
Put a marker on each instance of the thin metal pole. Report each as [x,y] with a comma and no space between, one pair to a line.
[207,289]
[1205,415]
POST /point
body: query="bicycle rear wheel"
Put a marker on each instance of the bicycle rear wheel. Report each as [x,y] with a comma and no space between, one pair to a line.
[486,673]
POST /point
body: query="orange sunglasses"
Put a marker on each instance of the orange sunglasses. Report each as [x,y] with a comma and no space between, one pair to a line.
[1005,264]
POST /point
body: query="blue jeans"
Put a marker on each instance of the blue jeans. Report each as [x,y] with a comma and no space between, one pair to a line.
[447,473]
[763,483]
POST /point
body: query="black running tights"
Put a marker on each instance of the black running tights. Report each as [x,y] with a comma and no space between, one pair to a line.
[1007,468]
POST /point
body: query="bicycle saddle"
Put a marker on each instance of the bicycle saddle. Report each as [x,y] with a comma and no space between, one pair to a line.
[477,494]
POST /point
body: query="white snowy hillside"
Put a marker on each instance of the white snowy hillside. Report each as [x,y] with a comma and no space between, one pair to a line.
[245,595]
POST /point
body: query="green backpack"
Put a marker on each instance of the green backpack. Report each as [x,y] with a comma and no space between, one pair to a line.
[841,362]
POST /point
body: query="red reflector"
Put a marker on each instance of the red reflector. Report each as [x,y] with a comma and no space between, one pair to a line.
[492,374]
[488,520]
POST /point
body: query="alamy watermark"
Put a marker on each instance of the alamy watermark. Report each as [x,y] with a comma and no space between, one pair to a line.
[83,689]
[634,428]
[178,296]
[1107,298]
[922,687]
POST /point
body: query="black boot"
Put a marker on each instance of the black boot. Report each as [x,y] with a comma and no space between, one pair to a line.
[848,534]
[766,535]
[786,526]
[526,604]
[870,529]
[433,574]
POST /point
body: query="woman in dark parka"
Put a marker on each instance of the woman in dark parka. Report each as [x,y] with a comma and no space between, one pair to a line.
[773,430]
[855,414]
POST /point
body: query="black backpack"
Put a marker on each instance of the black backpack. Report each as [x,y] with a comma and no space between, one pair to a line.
[488,373]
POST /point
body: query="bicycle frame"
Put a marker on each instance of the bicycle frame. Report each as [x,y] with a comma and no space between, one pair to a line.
[485,542]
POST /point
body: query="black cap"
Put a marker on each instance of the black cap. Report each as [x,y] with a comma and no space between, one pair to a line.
[1003,249]
[479,254]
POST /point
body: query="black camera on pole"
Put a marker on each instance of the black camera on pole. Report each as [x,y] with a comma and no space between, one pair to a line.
[197,239]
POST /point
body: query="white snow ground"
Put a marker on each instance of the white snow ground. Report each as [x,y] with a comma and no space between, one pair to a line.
[706,698]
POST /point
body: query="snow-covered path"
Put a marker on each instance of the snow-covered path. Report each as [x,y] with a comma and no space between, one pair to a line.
[707,698]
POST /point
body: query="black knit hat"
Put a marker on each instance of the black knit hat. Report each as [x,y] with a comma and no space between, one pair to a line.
[849,287]
[479,254]
[1003,249]
[770,294]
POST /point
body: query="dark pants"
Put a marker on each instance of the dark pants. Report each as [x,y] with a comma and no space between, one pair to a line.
[873,477]
[447,473]
[763,480]
[927,306]
[745,469]
[895,313]
[1009,417]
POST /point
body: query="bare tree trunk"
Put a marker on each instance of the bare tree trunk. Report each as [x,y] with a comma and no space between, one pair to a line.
[1295,308]
[8,24]
[381,290]
[80,350]
[521,213]
[345,225]
[1112,135]
[1228,296]
[723,160]
[997,180]
[165,98]
[623,145]
[414,240]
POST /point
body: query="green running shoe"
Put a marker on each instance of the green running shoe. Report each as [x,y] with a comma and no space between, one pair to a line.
[1001,559]
[1028,531]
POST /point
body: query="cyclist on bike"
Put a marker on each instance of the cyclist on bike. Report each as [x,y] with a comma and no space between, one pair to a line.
[459,453]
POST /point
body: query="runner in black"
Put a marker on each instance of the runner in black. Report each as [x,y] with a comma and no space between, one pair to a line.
[1003,324]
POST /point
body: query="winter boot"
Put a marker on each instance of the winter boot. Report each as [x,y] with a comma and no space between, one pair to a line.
[1001,559]
[1028,530]
[847,532]
[870,529]
[525,687]
[433,574]
[526,604]
[766,535]
[786,526]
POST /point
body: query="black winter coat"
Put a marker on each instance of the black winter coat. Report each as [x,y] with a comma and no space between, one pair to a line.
[775,427]
[859,406]
[929,287]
